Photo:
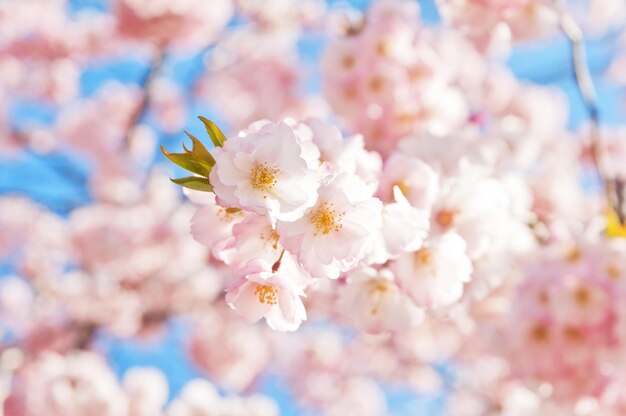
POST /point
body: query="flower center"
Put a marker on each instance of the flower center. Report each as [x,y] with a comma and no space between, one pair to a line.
[573,255]
[403,186]
[423,256]
[445,218]
[267,294]
[376,84]
[326,219]
[378,288]
[347,62]
[573,334]
[582,296]
[539,333]
[614,271]
[229,214]
[270,238]
[263,177]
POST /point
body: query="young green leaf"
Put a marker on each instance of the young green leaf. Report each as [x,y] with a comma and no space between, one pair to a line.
[198,149]
[217,137]
[194,182]
[190,162]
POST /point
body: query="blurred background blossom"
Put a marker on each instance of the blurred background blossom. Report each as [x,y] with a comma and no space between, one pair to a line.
[110,307]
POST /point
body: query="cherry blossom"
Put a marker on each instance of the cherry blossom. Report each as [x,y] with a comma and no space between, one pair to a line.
[377,304]
[266,172]
[164,23]
[435,274]
[337,232]
[77,384]
[260,292]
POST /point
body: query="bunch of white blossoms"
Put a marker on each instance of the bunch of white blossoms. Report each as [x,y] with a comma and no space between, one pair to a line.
[296,202]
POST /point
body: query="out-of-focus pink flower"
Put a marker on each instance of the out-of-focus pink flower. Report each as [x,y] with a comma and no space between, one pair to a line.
[416,180]
[34,239]
[230,351]
[168,105]
[277,13]
[492,25]
[569,307]
[435,274]
[76,384]
[404,228]
[387,80]
[473,205]
[147,391]
[186,24]
[375,303]
[200,398]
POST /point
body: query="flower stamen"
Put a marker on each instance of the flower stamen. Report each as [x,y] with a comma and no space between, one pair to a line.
[263,177]
[326,219]
[267,294]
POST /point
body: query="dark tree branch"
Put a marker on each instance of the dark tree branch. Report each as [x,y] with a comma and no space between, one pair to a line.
[146,86]
[613,187]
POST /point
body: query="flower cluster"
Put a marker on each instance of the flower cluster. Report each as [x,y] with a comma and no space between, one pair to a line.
[80,383]
[295,203]
[571,302]
[385,80]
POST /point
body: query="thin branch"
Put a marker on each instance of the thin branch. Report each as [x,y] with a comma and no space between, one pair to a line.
[146,86]
[612,186]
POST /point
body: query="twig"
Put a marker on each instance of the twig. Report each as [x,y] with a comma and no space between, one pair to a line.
[612,187]
[146,86]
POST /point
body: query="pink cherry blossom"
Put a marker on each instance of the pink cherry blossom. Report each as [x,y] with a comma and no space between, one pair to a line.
[376,304]
[212,226]
[416,180]
[77,384]
[244,350]
[266,172]
[261,292]
[337,232]
[404,228]
[147,391]
[200,398]
[435,274]
[164,23]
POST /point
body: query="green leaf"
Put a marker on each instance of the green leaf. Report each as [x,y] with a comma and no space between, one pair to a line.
[198,149]
[217,137]
[189,161]
[194,182]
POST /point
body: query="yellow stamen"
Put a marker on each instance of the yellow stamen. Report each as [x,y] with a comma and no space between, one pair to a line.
[326,219]
[263,177]
[573,255]
[376,84]
[582,296]
[614,271]
[378,288]
[267,294]
[347,62]
[423,256]
[539,333]
[573,334]
[445,218]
